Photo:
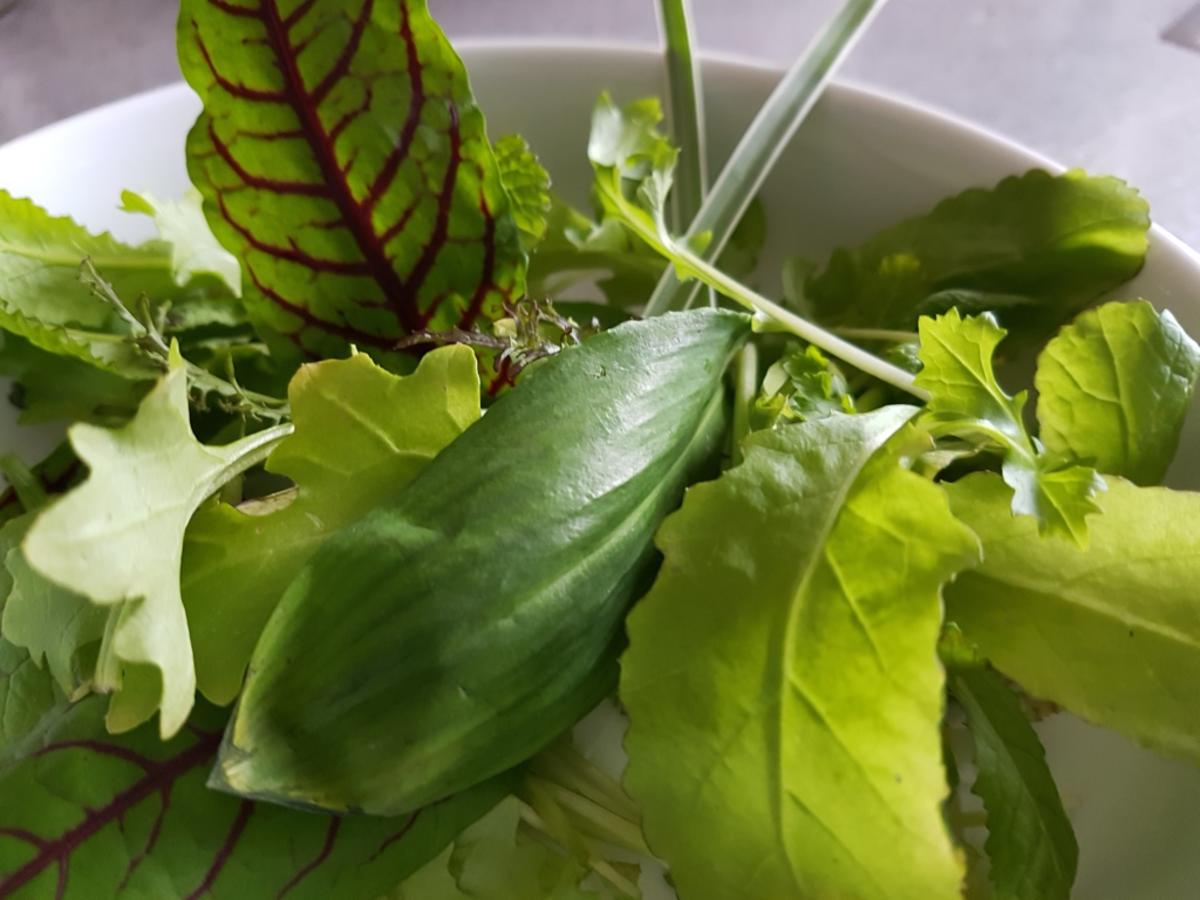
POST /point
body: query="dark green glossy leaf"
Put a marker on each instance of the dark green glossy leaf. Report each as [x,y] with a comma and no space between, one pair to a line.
[342,158]
[1031,845]
[520,546]
[1057,240]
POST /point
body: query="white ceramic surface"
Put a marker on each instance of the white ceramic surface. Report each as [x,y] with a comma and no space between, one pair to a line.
[862,161]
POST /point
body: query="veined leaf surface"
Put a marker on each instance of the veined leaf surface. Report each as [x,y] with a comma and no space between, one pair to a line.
[343,159]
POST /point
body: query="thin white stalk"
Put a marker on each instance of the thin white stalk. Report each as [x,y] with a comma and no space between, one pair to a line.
[764,141]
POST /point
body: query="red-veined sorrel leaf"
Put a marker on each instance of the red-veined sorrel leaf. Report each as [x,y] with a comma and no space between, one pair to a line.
[342,157]
[86,815]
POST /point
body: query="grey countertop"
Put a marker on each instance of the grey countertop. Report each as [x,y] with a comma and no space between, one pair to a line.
[1088,82]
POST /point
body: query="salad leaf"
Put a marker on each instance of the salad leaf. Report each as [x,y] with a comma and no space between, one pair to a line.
[342,158]
[361,435]
[51,388]
[528,186]
[966,398]
[28,698]
[146,480]
[1114,387]
[195,253]
[803,384]
[39,268]
[1111,632]
[84,815]
[56,626]
[494,860]
[1031,846]
[1058,241]
[781,679]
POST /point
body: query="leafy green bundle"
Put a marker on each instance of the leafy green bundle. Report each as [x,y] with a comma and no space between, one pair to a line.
[279,490]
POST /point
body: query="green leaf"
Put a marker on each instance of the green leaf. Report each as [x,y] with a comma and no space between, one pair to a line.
[343,159]
[1110,631]
[84,815]
[57,627]
[195,253]
[361,435]
[528,186]
[1031,845]
[966,400]
[52,388]
[29,702]
[1058,240]
[40,256]
[146,479]
[801,385]
[1114,387]
[782,682]
[494,860]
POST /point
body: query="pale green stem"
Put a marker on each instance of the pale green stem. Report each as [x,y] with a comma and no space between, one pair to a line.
[769,310]
[764,141]
[687,110]
[745,392]
[879,334]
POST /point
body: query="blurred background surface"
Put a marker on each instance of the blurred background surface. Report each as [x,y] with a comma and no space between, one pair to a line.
[1092,83]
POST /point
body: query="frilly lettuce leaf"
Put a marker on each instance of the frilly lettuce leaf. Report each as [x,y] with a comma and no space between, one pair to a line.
[117,540]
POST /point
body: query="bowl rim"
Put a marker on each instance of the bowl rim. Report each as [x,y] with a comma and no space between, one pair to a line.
[851,91]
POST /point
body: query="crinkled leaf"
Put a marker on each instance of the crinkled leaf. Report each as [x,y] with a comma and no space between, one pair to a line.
[494,860]
[966,399]
[528,186]
[84,815]
[343,159]
[146,479]
[803,384]
[1031,846]
[800,583]
[1110,631]
[1114,387]
[1058,240]
[195,253]
[361,435]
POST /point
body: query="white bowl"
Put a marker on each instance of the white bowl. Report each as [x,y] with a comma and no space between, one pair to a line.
[862,161]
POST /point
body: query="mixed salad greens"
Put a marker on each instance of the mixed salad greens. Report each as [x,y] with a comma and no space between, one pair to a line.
[365,451]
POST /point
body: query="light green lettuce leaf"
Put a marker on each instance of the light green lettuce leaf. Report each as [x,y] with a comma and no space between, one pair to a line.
[195,252]
[966,400]
[528,185]
[1111,632]
[782,682]
[1031,846]
[59,628]
[361,435]
[117,540]
[1114,387]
